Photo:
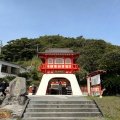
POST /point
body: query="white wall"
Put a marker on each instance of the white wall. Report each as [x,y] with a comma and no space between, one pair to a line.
[47,77]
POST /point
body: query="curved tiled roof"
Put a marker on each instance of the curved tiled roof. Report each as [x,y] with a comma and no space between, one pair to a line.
[58,50]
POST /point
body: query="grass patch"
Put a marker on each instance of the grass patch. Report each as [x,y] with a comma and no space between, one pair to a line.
[110,106]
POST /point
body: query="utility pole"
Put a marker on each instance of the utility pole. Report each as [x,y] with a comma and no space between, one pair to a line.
[37,50]
[0,46]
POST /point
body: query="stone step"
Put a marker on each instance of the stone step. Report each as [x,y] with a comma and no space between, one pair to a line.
[62,106]
[62,110]
[61,102]
[62,114]
[64,118]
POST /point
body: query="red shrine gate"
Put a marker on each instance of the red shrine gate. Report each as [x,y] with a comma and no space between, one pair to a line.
[58,64]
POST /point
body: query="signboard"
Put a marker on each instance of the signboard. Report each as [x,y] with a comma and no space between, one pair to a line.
[95,80]
[59,71]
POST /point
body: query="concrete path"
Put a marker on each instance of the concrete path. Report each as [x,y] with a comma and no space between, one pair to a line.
[57,98]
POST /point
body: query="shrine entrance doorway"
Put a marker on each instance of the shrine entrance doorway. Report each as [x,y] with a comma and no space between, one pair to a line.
[53,86]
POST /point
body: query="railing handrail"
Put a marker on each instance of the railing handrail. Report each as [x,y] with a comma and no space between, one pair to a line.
[56,66]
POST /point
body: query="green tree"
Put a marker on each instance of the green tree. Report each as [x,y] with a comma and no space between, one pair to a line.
[81,76]
[112,83]
[110,62]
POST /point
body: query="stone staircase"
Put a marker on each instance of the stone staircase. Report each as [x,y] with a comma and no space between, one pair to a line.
[61,109]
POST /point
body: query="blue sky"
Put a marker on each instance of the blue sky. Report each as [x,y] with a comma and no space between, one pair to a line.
[97,19]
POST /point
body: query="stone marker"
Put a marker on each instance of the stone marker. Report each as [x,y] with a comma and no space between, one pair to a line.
[16,100]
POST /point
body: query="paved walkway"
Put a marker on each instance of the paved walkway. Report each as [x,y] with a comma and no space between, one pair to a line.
[57,98]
